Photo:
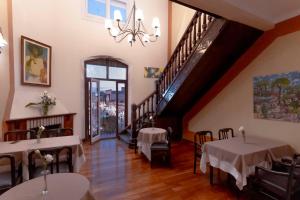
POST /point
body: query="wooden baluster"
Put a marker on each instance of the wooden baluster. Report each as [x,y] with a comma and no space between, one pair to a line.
[148,108]
[158,92]
[199,25]
[210,18]
[195,32]
[190,36]
[204,26]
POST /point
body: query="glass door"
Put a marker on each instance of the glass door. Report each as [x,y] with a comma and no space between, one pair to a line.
[105,98]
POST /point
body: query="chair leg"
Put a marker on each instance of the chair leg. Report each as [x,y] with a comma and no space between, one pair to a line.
[195,162]
[211,175]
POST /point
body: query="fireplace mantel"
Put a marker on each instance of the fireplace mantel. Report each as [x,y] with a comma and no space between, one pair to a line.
[66,121]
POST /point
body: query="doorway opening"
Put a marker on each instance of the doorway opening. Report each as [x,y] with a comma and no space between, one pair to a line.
[106,98]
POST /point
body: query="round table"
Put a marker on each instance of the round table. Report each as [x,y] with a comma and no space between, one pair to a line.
[61,186]
[147,136]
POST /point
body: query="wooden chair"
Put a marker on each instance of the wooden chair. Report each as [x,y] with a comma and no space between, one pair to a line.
[9,179]
[276,185]
[18,135]
[225,132]
[64,160]
[162,149]
[199,139]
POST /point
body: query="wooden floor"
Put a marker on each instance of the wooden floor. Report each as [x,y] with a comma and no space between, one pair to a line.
[116,172]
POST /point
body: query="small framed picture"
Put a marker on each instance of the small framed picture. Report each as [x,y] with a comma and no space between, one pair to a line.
[36,63]
[152,72]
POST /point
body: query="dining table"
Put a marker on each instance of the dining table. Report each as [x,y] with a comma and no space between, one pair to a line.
[147,136]
[238,156]
[24,147]
[61,186]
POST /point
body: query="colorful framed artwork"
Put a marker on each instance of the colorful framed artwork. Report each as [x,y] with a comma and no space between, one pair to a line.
[152,72]
[277,97]
[36,63]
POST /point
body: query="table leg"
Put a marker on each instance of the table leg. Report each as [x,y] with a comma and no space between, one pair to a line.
[211,175]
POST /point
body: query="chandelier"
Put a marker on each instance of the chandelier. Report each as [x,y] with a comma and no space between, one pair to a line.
[133,29]
[3,42]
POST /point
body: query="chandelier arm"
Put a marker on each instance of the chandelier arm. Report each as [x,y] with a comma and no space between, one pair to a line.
[120,40]
[153,40]
[141,40]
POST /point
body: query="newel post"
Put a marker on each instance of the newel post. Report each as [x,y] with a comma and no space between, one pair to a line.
[133,120]
[157,91]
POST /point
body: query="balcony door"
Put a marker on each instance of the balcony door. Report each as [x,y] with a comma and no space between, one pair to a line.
[105,99]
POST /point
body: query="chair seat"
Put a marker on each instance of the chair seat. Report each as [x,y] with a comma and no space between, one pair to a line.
[5,179]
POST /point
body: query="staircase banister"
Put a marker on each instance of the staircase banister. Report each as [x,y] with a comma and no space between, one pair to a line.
[177,48]
[146,99]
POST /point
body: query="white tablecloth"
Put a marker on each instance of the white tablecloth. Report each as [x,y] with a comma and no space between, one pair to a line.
[26,146]
[147,136]
[239,159]
[62,186]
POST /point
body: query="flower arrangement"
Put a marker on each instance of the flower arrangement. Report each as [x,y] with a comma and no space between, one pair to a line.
[242,130]
[39,133]
[46,159]
[46,102]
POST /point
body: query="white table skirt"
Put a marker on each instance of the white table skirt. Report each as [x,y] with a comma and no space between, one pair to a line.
[62,186]
[26,146]
[147,136]
[239,159]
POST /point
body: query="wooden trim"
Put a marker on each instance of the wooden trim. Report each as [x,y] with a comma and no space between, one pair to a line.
[11,70]
[23,38]
[283,28]
[40,117]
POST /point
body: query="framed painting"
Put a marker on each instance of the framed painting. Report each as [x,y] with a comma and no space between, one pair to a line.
[152,72]
[277,97]
[36,63]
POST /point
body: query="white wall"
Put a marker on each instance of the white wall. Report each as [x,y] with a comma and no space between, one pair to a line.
[4,61]
[181,17]
[61,24]
[233,106]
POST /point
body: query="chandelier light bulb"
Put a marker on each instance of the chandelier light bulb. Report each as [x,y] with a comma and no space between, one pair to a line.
[157,32]
[130,37]
[108,24]
[146,38]
[118,15]
[3,42]
[139,15]
[114,32]
[155,23]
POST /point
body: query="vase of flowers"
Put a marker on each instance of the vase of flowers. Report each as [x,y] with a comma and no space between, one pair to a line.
[46,159]
[242,130]
[45,103]
[39,134]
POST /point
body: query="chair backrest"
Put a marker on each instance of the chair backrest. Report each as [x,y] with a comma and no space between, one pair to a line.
[201,137]
[57,132]
[18,135]
[225,133]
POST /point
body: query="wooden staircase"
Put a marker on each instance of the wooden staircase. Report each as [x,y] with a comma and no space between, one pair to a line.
[207,49]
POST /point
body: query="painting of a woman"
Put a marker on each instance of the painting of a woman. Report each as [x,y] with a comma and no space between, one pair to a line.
[36,62]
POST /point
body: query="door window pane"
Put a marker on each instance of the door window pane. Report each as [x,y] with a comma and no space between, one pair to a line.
[95,71]
[118,73]
[96,7]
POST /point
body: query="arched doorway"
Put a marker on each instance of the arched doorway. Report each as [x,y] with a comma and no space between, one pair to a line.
[106,98]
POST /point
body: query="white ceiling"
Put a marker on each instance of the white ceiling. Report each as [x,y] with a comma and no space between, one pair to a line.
[263,14]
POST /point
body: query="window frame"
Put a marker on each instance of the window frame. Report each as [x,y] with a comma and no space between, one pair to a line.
[101,19]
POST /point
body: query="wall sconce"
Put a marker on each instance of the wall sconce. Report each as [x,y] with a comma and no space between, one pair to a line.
[3,42]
